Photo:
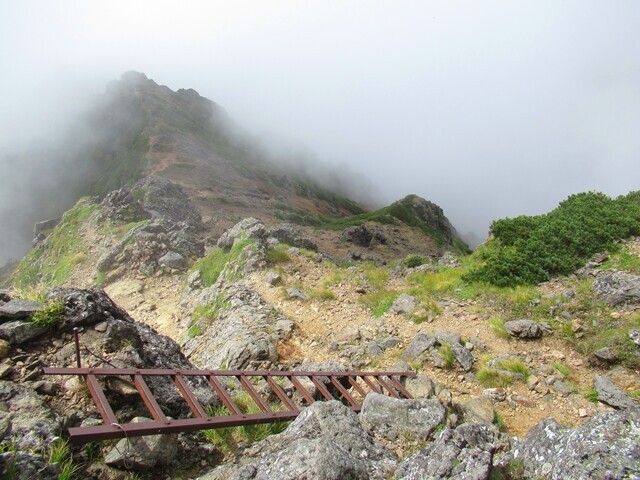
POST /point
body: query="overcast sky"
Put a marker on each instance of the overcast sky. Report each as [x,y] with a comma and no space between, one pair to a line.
[488,108]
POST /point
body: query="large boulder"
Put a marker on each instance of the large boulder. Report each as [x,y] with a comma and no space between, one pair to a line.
[606,446]
[463,453]
[618,288]
[248,228]
[291,235]
[325,442]
[393,418]
[20,331]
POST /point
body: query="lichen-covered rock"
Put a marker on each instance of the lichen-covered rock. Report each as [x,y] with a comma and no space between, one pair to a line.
[420,386]
[393,418]
[33,422]
[325,442]
[618,288]
[404,304]
[478,410]
[85,307]
[247,228]
[463,453]
[606,446]
[245,335]
[27,465]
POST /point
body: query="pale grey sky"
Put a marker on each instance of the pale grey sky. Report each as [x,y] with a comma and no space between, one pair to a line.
[488,108]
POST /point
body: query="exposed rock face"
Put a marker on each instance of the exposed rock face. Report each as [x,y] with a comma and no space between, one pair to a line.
[392,418]
[466,452]
[20,331]
[606,446]
[618,288]
[245,334]
[169,233]
[248,228]
[325,442]
[291,235]
[363,236]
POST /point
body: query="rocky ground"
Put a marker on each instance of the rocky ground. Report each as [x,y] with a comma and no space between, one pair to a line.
[280,304]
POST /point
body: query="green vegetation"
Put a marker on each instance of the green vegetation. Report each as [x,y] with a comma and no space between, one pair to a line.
[591,394]
[49,316]
[499,420]
[492,378]
[497,325]
[227,438]
[380,301]
[194,331]
[413,261]
[53,262]
[514,365]
[322,294]
[532,249]
[447,355]
[211,310]
[562,369]
[212,265]
[60,454]
[278,254]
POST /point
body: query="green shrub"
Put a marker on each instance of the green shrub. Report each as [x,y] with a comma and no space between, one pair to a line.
[413,261]
[447,355]
[194,331]
[278,254]
[532,249]
[212,265]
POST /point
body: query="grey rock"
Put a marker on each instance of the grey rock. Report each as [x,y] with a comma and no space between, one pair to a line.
[324,442]
[5,424]
[363,236]
[172,259]
[478,410]
[27,465]
[374,349]
[389,342]
[247,228]
[605,355]
[449,259]
[393,418]
[19,309]
[420,344]
[292,235]
[246,332]
[634,335]
[20,331]
[272,278]
[611,395]
[420,386]
[33,422]
[296,294]
[351,334]
[525,329]
[495,394]
[86,307]
[143,453]
[604,447]
[463,453]
[562,388]
[618,288]
[404,304]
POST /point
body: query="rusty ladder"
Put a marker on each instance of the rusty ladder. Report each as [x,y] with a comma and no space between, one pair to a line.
[347,387]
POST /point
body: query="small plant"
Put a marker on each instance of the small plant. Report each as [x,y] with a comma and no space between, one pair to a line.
[322,294]
[492,378]
[561,368]
[514,365]
[379,302]
[60,454]
[497,325]
[413,261]
[447,355]
[278,254]
[49,315]
[498,419]
[591,394]
[194,331]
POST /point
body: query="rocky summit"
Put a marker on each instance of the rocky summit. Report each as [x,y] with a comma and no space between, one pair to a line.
[191,249]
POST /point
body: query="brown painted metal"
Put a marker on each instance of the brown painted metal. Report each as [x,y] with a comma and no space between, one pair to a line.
[348,387]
